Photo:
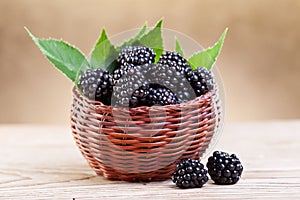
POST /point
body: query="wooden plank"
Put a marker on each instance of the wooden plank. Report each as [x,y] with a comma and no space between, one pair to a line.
[43,162]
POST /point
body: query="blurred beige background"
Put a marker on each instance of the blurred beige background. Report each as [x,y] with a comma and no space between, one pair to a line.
[259,62]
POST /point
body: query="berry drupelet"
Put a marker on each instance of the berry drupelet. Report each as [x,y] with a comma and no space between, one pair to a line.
[224,169]
[190,174]
[201,80]
[118,73]
[96,85]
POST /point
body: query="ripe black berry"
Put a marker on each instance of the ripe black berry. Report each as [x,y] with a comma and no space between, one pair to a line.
[224,169]
[160,95]
[126,84]
[174,59]
[172,79]
[96,85]
[201,80]
[131,56]
[190,174]
[152,94]
[140,97]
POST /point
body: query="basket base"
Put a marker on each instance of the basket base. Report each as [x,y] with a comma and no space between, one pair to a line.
[158,175]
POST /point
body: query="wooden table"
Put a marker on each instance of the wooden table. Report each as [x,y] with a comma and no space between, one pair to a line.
[42,162]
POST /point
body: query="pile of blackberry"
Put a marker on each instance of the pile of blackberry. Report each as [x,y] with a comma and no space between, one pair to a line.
[137,81]
[224,169]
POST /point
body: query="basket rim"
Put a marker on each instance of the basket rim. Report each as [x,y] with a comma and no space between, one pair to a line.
[203,98]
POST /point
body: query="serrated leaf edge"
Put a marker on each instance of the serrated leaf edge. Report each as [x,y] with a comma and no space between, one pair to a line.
[36,40]
[178,47]
[103,38]
[220,41]
[135,38]
[49,56]
[158,25]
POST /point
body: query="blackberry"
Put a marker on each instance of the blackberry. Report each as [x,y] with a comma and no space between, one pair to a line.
[96,85]
[152,94]
[172,79]
[174,59]
[127,84]
[190,174]
[140,97]
[131,56]
[160,95]
[201,80]
[224,169]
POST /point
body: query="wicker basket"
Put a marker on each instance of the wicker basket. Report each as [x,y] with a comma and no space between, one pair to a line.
[144,143]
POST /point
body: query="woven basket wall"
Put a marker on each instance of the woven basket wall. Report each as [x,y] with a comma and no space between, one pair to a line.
[144,143]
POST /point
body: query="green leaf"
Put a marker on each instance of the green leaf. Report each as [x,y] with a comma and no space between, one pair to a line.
[103,54]
[154,39]
[135,38]
[178,47]
[112,66]
[209,56]
[65,57]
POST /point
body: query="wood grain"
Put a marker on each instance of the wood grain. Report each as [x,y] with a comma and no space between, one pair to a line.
[42,162]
